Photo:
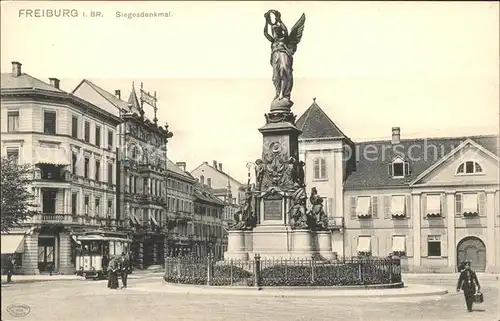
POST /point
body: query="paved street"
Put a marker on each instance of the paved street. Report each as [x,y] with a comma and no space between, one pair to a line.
[91,300]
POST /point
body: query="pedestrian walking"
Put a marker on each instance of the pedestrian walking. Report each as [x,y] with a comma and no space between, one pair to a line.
[114,266]
[469,283]
[10,268]
[124,269]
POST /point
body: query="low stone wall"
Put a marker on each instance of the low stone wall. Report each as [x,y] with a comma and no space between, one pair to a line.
[283,272]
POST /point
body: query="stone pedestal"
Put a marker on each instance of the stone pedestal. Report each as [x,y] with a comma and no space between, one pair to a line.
[324,241]
[302,244]
[236,249]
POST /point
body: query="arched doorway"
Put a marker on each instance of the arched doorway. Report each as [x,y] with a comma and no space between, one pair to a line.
[473,249]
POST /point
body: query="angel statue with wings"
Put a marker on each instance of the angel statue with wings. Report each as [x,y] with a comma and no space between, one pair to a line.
[283,47]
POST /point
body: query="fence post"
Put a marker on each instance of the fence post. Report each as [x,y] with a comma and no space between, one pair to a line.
[313,265]
[257,270]
[390,269]
[231,273]
[360,271]
[210,272]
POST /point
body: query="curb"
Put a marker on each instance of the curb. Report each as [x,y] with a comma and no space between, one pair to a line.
[423,290]
[39,281]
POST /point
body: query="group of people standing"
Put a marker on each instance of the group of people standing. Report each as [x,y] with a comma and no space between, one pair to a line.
[118,266]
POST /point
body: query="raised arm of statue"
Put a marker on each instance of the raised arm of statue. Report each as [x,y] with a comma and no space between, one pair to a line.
[266,31]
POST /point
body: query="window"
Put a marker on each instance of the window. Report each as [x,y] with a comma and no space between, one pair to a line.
[399,168]
[98,136]
[74,127]
[433,206]
[319,168]
[73,163]
[86,168]
[74,203]
[49,201]
[97,170]
[49,122]
[86,205]
[202,179]
[364,245]
[135,185]
[110,207]
[110,173]
[13,153]
[209,182]
[434,245]
[97,206]
[469,167]
[13,121]
[110,139]
[399,245]
[87,132]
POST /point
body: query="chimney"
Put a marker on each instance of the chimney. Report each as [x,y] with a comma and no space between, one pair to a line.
[54,82]
[396,135]
[215,164]
[181,165]
[16,69]
[220,167]
[118,94]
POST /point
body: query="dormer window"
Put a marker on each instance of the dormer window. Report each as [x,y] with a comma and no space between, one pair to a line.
[468,168]
[399,168]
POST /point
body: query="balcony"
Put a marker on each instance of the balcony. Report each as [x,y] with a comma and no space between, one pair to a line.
[53,219]
[92,183]
[336,222]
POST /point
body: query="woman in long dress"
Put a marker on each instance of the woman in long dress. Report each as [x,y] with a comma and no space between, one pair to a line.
[113,274]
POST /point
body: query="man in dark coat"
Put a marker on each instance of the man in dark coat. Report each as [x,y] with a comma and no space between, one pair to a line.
[468,283]
[125,267]
[10,268]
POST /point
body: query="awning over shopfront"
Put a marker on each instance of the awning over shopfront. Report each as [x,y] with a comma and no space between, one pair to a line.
[12,243]
[53,156]
[470,204]
[433,205]
[364,244]
[398,244]
[363,206]
[398,206]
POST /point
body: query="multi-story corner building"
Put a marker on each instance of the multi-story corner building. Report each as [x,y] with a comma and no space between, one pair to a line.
[142,193]
[71,144]
[433,201]
[180,207]
[208,222]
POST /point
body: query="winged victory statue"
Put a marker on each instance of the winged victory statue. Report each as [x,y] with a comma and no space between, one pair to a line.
[283,47]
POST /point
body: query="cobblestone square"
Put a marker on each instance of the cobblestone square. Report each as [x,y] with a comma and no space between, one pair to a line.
[91,300]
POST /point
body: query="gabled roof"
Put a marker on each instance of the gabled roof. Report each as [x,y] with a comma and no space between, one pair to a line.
[205,194]
[315,124]
[25,81]
[118,103]
[460,147]
[176,169]
[373,158]
[216,169]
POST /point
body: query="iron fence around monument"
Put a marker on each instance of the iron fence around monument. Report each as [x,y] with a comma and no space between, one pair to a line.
[283,272]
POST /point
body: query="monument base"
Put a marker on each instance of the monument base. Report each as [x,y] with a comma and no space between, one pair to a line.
[279,242]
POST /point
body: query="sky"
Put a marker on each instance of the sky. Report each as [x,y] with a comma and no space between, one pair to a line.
[431,68]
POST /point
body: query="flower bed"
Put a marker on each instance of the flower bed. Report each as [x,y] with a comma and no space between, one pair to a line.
[284,273]
[197,273]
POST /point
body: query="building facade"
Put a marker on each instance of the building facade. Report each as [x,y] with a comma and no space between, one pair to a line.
[209,228]
[432,201]
[215,178]
[142,154]
[71,144]
[180,207]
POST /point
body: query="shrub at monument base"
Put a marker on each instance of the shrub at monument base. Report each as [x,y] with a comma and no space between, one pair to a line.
[198,274]
[349,272]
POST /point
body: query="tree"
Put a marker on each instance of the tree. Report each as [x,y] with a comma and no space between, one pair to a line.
[16,200]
